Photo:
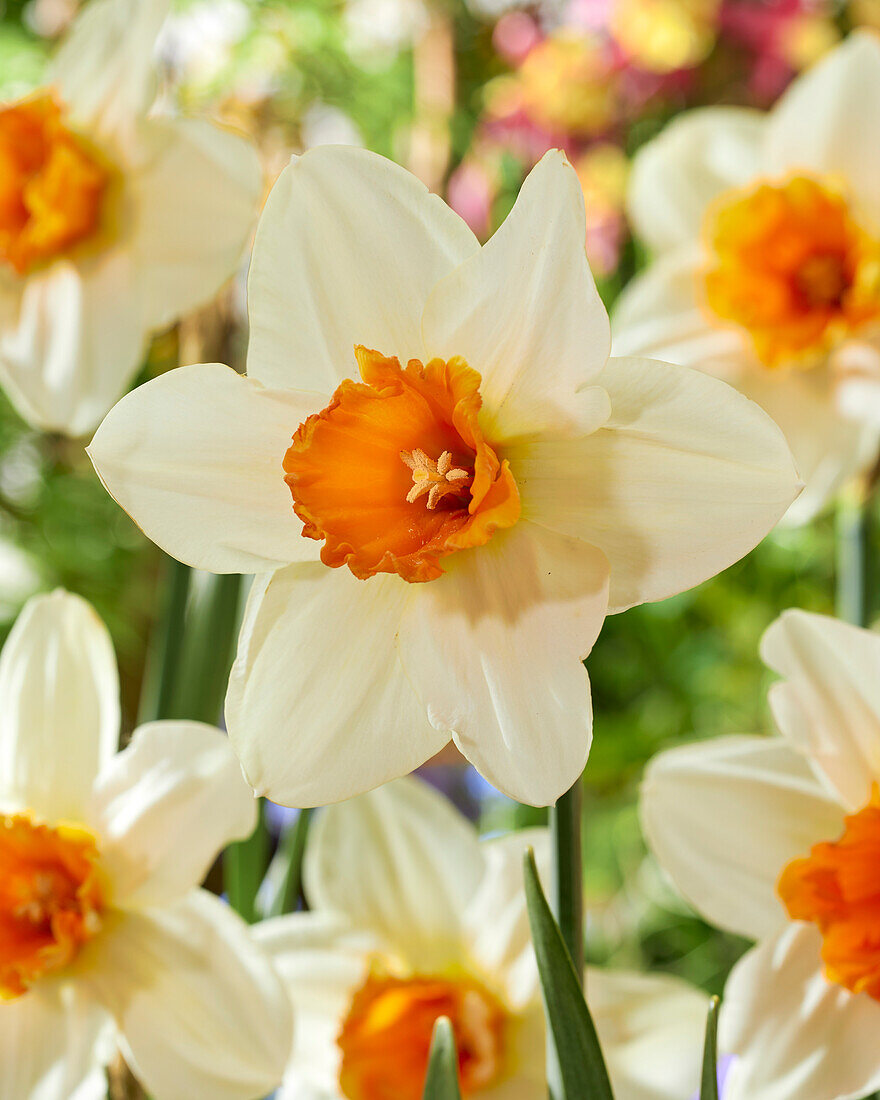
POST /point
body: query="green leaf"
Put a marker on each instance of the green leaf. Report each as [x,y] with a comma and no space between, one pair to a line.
[244,864]
[441,1080]
[285,870]
[709,1086]
[582,1071]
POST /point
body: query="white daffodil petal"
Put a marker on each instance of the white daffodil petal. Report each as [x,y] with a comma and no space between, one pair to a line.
[59,722]
[494,649]
[725,817]
[195,458]
[105,69]
[195,198]
[699,155]
[829,704]
[686,477]
[795,1034]
[75,343]
[319,707]
[347,251]
[416,866]
[524,311]
[651,1029]
[496,920]
[53,1046]
[322,962]
[659,315]
[175,779]
[199,1006]
[829,121]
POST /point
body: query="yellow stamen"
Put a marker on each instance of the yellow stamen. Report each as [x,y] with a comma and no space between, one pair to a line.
[434,478]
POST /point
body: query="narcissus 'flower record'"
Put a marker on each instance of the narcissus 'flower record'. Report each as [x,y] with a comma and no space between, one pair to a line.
[418,919]
[766,235]
[105,939]
[112,224]
[441,480]
[778,839]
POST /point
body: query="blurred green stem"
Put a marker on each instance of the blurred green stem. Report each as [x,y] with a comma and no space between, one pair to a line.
[166,644]
[210,647]
[291,851]
[244,865]
[567,886]
[853,598]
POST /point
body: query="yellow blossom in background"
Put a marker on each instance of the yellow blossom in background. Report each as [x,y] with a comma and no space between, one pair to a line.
[106,940]
[441,479]
[418,920]
[113,224]
[565,83]
[664,35]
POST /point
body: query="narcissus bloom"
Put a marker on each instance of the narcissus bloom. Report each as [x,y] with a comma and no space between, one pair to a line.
[419,919]
[112,224]
[778,839]
[766,231]
[439,476]
[105,938]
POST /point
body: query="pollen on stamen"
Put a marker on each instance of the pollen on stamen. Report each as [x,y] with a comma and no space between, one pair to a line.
[436,479]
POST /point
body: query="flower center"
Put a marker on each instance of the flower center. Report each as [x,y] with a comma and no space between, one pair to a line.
[50,899]
[386,1037]
[365,480]
[837,888]
[792,268]
[52,185]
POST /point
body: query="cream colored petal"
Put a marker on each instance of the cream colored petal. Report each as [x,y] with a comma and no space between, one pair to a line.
[659,315]
[105,69]
[165,807]
[699,155]
[53,1046]
[686,477]
[524,311]
[795,1034]
[195,194]
[829,121]
[651,1028]
[319,707]
[410,877]
[494,648]
[828,705]
[75,343]
[725,817]
[59,722]
[347,251]
[199,1006]
[195,458]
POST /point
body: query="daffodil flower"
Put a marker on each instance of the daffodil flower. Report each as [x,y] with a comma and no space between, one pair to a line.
[105,938]
[778,839]
[420,919]
[440,478]
[112,224]
[766,233]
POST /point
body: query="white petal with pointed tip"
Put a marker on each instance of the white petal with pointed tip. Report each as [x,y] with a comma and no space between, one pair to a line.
[494,650]
[59,722]
[165,807]
[795,1034]
[725,817]
[524,310]
[676,175]
[828,121]
[200,1007]
[319,707]
[195,458]
[686,477]
[409,878]
[348,248]
[828,705]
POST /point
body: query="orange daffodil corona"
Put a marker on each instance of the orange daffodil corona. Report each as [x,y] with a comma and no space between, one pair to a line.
[766,234]
[403,928]
[113,224]
[105,939]
[441,480]
[778,839]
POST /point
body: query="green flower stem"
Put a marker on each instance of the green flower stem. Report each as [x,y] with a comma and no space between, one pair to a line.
[166,644]
[212,629]
[290,852]
[853,598]
[567,886]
